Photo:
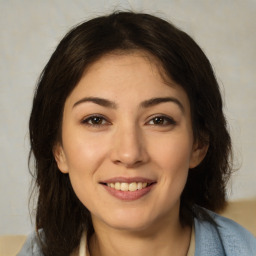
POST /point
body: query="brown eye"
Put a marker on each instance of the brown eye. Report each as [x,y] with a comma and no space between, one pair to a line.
[158,120]
[161,120]
[95,121]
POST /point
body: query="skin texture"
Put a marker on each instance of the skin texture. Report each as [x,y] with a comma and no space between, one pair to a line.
[129,139]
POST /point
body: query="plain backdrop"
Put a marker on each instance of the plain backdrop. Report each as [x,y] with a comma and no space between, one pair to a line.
[30,31]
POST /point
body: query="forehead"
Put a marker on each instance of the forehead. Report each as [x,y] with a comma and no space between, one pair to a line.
[128,60]
[136,74]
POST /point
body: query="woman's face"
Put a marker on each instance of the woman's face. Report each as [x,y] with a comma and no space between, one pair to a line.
[127,142]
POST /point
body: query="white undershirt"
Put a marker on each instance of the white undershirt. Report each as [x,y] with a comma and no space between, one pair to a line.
[83,249]
[83,245]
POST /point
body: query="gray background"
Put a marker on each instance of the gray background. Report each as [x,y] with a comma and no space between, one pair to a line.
[30,31]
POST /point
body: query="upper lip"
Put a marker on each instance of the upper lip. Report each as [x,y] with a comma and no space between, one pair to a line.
[128,180]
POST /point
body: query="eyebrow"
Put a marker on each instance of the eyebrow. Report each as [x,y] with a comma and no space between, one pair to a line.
[99,101]
[145,104]
[155,101]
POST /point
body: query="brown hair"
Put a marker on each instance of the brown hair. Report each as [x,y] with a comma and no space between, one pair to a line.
[59,212]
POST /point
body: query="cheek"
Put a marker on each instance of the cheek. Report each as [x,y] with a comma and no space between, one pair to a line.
[172,157]
[83,161]
[84,157]
[173,153]
[84,152]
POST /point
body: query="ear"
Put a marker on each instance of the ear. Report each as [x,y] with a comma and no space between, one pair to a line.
[198,154]
[60,158]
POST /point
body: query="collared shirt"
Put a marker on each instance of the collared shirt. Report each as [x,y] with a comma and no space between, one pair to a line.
[224,237]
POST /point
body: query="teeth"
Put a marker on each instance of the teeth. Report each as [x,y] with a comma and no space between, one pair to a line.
[117,186]
[123,186]
[144,185]
[133,186]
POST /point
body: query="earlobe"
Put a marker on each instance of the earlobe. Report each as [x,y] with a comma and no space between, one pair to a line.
[60,158]
[198,155]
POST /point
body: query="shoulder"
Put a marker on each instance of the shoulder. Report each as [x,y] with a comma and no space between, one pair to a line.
[222,236]
[31,246]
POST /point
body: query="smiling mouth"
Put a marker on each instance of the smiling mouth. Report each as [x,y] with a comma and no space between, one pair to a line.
[128,188]
[125,186]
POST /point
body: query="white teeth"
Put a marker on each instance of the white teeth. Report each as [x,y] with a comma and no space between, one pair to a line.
[123,186]
[117,186]
[139,185]
[133,186]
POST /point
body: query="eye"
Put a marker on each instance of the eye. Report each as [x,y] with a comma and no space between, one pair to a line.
[95,120]
[161,121]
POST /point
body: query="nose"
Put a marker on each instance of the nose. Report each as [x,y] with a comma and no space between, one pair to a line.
[129,147]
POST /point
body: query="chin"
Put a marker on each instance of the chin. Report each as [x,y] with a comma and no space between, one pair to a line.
[129,220]
[130,226]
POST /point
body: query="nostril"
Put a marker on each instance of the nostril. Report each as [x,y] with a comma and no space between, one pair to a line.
[128,164]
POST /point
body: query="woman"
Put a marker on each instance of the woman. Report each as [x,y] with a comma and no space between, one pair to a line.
[130,145]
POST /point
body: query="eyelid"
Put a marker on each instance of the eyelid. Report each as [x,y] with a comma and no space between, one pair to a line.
[85,120]
[170,119]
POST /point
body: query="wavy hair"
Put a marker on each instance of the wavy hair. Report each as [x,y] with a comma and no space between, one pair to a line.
[59,212]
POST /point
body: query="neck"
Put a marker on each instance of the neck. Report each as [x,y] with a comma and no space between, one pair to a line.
[168,237]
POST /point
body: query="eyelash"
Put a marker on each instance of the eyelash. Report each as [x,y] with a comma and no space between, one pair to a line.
[164,121]
[92,118]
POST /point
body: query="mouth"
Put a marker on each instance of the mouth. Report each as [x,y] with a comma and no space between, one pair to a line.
[125,186]
[128,188]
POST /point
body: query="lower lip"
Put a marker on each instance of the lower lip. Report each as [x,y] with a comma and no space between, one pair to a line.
[129,195]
